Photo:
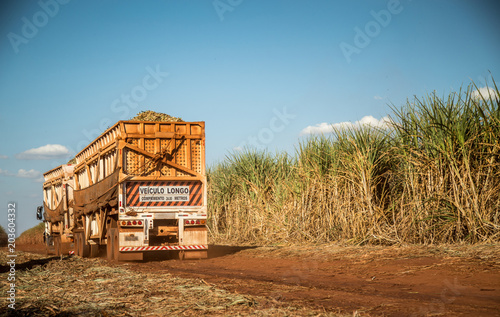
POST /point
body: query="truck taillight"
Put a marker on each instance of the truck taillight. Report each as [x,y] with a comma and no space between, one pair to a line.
[125,223]
[193,222]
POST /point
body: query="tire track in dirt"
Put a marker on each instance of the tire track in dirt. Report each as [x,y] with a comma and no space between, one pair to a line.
[390,286]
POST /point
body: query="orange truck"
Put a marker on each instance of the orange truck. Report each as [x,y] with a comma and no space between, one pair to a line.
[139,187]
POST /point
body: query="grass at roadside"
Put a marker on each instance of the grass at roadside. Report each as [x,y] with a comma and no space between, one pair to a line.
[3,237]
[32,236]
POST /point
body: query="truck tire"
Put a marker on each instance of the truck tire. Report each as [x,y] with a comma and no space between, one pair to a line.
[110,245]
[57,245]
[94,250]
[50,246]
[77,244]
[116,245]
[84,246]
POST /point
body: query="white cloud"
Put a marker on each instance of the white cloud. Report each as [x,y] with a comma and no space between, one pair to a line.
[486,92]
[28,174]
[324,128]
[46,152]
[4,172]
[22,173]
[3,157]
[377,97]
[318,129]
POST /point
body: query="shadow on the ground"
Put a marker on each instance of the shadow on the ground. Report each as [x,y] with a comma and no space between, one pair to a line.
[27,265]
[214,251]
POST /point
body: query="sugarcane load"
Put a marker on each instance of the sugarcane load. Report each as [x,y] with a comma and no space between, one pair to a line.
[139,187]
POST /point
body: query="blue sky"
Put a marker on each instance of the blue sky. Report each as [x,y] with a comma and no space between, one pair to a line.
[261,72]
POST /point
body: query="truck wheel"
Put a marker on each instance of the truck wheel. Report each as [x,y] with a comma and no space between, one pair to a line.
[57,246]
[77,244]
[116,245]
[84,246]
[49,246]
[109,245]
[94,250]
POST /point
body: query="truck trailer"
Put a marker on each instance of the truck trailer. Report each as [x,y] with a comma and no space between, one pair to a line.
[139,187]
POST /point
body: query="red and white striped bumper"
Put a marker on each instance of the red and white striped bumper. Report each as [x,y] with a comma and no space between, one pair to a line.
[162,248]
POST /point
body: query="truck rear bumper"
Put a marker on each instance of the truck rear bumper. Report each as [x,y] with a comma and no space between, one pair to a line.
[162,248]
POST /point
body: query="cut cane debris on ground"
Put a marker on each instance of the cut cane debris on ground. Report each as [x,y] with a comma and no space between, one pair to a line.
[316,280]
[55,286]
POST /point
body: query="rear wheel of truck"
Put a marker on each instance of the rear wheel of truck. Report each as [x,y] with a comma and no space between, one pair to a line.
[94,250]
[77,244]
[50,246]
[57,245]
[83,246]
[110,245]
[116,245]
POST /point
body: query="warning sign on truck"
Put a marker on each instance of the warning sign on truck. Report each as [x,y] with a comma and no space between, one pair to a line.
[163,193]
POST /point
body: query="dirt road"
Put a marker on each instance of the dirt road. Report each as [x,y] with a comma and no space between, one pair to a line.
[362,281]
